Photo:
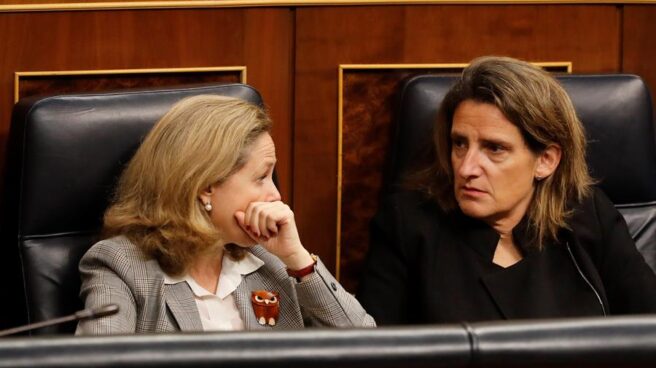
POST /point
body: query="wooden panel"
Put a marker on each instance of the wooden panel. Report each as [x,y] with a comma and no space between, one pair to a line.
[41,5]
[588,36]
[101,40]
[639,44]
[32,85]
[268,51]
[368,110]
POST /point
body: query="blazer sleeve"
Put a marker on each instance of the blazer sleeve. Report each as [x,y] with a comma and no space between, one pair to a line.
[629,282]
[104,269]
[385,281]
[325,302]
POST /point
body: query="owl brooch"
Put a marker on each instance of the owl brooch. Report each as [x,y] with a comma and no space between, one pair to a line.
[266,305]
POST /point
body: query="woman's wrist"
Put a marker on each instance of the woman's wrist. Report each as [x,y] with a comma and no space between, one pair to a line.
[301,274]
[299,260]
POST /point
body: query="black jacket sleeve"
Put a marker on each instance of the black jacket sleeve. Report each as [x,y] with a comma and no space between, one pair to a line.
[383,289]
[629,282]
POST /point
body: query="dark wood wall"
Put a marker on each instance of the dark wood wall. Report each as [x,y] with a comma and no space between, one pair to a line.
[587,36]
[293,55]
[259,38]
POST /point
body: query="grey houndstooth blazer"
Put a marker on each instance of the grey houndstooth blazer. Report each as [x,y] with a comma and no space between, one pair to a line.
[116,271]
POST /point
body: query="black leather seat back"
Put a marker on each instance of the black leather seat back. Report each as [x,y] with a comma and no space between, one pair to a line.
[616,111]
[420,100]
[66,153]
[617,114]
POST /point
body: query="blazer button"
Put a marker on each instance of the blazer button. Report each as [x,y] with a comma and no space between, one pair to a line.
[334,286]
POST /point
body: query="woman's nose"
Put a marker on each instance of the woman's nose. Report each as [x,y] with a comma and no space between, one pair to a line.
[470,164]
[273,194]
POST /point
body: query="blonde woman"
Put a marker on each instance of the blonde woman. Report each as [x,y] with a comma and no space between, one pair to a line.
[198,239]
[504,222]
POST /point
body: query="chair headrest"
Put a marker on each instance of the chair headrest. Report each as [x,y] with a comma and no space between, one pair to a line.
[75,146]
[615,110]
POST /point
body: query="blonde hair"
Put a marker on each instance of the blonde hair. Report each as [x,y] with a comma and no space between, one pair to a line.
[201,141]
[537,104]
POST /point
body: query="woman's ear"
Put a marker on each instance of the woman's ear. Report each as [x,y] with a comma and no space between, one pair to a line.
[548,161]
[205,195]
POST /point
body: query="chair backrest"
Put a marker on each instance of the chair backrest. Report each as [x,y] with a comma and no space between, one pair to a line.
[616,111]
[66,153]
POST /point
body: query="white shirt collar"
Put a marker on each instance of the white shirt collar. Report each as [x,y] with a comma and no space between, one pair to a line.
[231,275]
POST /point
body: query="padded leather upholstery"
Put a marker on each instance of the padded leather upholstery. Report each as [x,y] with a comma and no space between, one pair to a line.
[616,111]
[582,342]
[586,342]
[66,153]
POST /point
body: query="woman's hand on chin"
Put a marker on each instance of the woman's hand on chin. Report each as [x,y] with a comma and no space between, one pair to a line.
[272,225]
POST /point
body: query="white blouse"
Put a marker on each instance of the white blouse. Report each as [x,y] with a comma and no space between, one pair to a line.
[219,311]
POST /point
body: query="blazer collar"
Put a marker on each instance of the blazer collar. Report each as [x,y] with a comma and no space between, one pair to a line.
[477,234]
[484,239]
[543,284]
[180,301]
[517,290]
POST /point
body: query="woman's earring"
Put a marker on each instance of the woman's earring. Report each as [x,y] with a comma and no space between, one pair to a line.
[208,206]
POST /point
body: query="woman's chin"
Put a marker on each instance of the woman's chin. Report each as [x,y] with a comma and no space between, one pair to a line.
[474,211]
[245,242]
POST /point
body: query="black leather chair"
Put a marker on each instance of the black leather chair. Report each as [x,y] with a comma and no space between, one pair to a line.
[616,111]
[65,154]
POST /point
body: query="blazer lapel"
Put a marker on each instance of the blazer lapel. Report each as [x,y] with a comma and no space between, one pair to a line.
[544,284]
[243,301]
[506,289]
[588,269]
[181,303]
[290,316]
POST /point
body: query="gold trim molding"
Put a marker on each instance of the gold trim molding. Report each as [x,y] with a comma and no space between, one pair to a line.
[557,65]
[158,4]
[19,75]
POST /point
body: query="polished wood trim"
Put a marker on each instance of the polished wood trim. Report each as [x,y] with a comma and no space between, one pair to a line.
[157,4]
[548,64]
[567,65]
[18,75]
[555,64]
[340,142]
[402,66]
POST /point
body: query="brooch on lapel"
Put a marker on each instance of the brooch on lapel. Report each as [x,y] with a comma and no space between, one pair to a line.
[266,305]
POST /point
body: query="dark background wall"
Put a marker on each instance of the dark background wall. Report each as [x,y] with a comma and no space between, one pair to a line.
[327,73]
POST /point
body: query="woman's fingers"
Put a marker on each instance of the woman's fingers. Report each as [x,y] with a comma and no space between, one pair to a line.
[241,220]
[252,218]
[263,214]
[263,219]
[272,216]
[272,225]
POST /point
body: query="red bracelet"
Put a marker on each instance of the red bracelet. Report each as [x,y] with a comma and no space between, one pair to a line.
[298,274]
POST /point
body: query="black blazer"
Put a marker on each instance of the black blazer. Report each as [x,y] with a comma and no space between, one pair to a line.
[427,266]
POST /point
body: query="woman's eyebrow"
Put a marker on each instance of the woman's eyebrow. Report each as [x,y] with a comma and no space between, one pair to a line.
[495,141]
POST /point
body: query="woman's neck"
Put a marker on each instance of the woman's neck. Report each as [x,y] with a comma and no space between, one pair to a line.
[504,223]
[507,253]
[207,269]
